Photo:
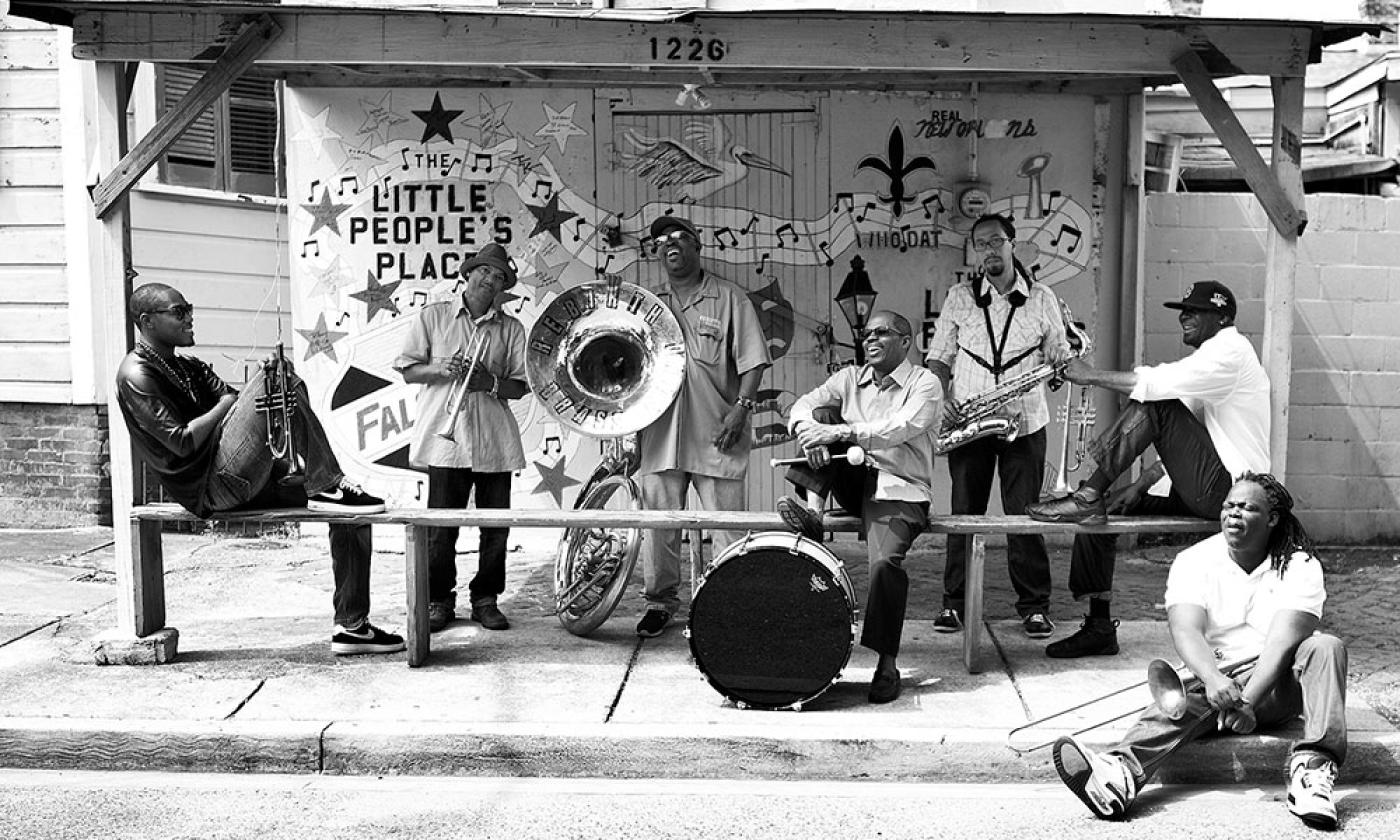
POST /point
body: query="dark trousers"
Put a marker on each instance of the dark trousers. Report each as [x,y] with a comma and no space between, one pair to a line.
[1315,687]
[1020,463]
[890,528]
[451,487]
[1200,482]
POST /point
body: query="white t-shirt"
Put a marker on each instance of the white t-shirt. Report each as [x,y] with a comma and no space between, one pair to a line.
[1240,607]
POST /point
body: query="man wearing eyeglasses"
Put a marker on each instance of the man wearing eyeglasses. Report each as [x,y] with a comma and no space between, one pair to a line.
[469,356]
[703,438]
[208,446]
[994,327]
[888,407]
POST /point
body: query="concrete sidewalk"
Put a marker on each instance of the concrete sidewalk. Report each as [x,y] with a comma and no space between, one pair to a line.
[255,687]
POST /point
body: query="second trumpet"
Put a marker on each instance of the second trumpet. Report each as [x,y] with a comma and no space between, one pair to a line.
[457,396]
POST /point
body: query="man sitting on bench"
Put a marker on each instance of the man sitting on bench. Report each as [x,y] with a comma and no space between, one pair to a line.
[209,447]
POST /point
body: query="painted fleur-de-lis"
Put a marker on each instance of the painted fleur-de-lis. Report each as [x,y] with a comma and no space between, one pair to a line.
[896,169]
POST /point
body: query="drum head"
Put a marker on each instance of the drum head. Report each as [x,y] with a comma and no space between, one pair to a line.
[771,628]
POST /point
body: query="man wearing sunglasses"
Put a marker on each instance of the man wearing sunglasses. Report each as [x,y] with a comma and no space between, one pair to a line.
[888,407]
[994,327]
[208,446]
[702,440]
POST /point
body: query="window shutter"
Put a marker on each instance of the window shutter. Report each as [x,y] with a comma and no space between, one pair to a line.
[197,145]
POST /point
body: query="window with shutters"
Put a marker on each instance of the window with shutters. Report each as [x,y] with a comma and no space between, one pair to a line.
[233,145]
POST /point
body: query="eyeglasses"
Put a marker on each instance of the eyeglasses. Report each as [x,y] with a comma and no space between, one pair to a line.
[495,275]
[882,333]
[678,234]
[181,311]
[985,244]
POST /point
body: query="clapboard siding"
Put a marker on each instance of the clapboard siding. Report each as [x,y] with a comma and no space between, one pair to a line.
[30,167]
[33,323]
[33,284]
[24,206]
[29,89]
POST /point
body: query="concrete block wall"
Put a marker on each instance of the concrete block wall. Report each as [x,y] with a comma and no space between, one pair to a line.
[1344,406]
[54,462]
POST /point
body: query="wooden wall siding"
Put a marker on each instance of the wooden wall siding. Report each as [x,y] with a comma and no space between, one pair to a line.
[224,258]
[34,333]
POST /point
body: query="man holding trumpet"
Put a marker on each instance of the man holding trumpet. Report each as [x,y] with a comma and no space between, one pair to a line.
[887,410]
[1252,592]
[469,356]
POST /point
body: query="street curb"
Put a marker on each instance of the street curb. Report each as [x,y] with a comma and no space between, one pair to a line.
[616,751]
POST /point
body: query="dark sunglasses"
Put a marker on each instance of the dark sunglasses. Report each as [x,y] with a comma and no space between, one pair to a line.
[180,310]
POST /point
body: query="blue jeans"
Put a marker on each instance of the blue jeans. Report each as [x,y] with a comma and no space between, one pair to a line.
[1315,687]
[243,478]
[451,487]
[1021,465]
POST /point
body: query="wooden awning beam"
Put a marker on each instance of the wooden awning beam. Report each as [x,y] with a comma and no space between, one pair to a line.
[1288,216]
[251,42]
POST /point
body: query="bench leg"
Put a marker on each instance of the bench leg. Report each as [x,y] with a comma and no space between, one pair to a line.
[415,569]
[972,603]
[140,637]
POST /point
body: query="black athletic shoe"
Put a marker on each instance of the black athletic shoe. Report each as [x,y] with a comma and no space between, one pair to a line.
[948,621]
[1095,637]
[366,639]
[654,623]
[800,518]
[345,498]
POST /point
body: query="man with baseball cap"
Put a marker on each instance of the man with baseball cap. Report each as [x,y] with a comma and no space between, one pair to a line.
[1208,417]
[469,356]
[703,438]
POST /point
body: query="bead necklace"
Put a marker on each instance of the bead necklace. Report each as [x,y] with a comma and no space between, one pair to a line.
[175,376]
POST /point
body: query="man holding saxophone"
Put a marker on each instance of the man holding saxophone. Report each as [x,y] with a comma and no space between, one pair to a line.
[994,327]
[469,356]
[214,449]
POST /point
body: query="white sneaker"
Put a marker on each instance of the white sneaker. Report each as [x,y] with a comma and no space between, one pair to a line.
[1102,781]
[1310,780]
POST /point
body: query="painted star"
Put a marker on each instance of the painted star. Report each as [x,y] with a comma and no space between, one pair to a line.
[490,122]
[325,214]
[380,118]
[315,132]
[377,296]
[528,161]
[437,121]
[546,275]
[330,279]
[554,480]
[559,125]
[321,339]
[549,217]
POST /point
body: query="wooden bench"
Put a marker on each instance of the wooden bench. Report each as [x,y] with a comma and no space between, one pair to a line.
[149,559]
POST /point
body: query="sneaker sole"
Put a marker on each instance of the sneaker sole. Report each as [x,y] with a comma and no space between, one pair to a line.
[332,507]
[798,523]
[1081,654]
[1092,519]
[349,649]
[938,629]
[1078,780]
[1322,822]
[1038,634]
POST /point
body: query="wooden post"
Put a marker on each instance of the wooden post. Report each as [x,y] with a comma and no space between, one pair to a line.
[972,602]
[1280,266]
[415,570]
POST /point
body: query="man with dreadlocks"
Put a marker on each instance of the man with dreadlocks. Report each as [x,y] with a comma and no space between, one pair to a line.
[1254,589]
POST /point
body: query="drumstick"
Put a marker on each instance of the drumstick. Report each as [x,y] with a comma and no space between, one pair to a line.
[855,455]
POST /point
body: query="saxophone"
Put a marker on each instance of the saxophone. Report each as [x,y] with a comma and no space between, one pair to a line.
[979,415]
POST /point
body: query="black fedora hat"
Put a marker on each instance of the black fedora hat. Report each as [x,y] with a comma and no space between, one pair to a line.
[496,257]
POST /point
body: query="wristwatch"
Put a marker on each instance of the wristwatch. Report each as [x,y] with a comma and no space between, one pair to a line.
[746,402]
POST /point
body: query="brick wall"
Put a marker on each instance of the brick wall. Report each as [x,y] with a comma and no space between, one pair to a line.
[53,465]
[1344,407]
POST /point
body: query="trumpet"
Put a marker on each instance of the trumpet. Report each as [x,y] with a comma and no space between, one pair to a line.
[278,405]
[1169,691]
[1084,417]
[457,395]
[855,455]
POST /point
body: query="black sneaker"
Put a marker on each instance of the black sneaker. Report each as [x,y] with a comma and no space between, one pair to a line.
[801,518]
[1095,637]
[440,614]
[1038,626]
[345,498]
[653,624]
[366,639]
[948,621]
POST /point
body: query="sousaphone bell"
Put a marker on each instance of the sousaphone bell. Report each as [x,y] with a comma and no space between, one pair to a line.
[605,359]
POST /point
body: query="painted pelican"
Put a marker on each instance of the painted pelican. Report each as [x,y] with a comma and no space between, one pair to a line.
[705,163]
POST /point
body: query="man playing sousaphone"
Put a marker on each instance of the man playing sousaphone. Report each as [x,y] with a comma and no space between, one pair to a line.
[889,408]
[469,356]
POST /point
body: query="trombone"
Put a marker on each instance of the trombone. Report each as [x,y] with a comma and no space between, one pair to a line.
[1169,691]
[457,396]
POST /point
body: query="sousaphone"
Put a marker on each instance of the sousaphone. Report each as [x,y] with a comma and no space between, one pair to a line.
[605,359]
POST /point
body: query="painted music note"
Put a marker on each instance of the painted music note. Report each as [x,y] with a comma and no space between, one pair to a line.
[353,181]
[826,254]
[785,228]
[552,442]
[748,226]
[1073,231]
[314,184]
[578,230]
[311,243]
[903,238]
[403,154]
[548,188]
[602,269]
[762,263]
[342,318]
[447,170]
[478,158]
[721,234]
[869,205]
[933,199]
[849,199]
[415,299]
[1050,201]
[418,493]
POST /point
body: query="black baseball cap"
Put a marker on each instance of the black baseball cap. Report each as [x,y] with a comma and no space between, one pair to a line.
[665,223]
[1207,296]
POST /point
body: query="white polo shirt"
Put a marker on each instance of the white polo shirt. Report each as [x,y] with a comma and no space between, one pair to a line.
[1240,606]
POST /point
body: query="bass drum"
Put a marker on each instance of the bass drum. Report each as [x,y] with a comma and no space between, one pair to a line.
[773,621]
